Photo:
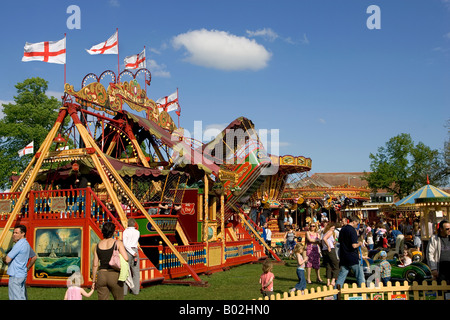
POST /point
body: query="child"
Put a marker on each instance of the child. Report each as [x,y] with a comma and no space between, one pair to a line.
[406,258]
[385,241]
[364,253]
[370,240]
[74,291]
[385,267]
[363,241]
[266,279]
[300,254]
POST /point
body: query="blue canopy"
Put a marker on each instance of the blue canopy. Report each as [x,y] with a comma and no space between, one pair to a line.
[427,191]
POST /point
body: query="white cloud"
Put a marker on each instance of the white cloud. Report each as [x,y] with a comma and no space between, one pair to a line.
[5,102]
[266,33]
[157,70]
[2,102]
[114,3]
[440,49]
[270,35]
[56,94]
[155,51]
[159,50]
[222,50]
[305,40]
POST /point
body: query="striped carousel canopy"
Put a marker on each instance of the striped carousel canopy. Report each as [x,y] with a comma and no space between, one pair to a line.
[427,191]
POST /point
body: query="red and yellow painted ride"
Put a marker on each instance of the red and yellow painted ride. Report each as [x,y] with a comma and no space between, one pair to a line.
[113,154]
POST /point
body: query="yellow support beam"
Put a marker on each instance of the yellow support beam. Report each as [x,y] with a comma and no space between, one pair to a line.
[129,193]
[39,159]
[261,240]
[181,234]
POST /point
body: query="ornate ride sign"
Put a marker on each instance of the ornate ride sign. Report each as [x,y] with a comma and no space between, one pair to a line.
[5,206]
[58,204]
[111,100]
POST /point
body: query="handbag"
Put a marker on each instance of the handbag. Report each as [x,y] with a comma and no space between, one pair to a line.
[114,262]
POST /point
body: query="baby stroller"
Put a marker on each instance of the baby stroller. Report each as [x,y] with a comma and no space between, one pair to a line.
[288,248]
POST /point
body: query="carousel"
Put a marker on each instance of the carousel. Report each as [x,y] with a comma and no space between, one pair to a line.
[429,205]
[267,200]
[317,200]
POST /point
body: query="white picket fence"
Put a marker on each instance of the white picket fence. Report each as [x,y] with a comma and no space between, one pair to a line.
[397,291]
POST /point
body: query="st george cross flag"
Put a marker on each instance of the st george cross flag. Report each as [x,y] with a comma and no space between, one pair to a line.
[135,61]
[110,46]
[29,149]
[47,51]
[169,103]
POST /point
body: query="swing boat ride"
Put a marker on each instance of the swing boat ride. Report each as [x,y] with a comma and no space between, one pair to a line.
[102,162]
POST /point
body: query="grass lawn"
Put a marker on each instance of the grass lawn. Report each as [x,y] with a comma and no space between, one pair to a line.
[238,283]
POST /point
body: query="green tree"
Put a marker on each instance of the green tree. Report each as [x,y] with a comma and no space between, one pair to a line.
[29,118]
[401,167]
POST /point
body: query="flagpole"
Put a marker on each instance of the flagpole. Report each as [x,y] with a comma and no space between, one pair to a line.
[65,44]
[118,60]
[145,73]
[178,100]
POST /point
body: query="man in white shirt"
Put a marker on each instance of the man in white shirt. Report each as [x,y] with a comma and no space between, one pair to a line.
[131,241]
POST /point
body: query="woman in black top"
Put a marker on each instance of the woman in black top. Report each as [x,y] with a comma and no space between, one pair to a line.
[106,280]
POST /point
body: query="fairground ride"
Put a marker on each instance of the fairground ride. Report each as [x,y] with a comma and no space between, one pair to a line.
[113,154]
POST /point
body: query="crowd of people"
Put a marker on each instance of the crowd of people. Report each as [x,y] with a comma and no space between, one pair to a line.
[108,280]
[341,246]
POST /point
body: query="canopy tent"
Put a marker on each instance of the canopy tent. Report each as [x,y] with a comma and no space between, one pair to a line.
[427,191]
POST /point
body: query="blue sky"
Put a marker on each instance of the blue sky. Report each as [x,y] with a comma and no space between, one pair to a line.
[335,89]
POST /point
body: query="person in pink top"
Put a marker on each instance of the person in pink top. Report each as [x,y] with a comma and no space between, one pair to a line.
[74,291]
[266,279]
[313,252]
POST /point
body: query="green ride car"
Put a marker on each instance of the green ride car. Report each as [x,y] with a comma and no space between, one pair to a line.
[416,271]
